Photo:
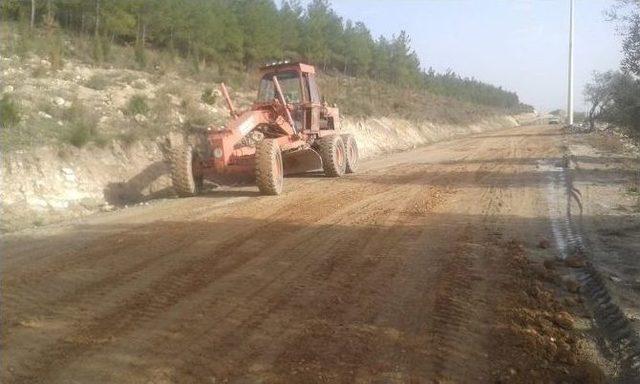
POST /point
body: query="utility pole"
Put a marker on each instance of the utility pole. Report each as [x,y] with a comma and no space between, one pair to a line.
[570,93]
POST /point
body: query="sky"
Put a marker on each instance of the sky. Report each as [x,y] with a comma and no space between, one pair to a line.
[521,45]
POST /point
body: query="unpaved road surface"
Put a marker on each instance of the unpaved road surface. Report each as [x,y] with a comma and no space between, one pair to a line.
[416,269]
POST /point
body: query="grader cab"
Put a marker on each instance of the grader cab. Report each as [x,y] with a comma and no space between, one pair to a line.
[289,129]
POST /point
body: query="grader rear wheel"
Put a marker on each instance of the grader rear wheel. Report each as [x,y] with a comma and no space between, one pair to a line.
[333,155]
[186,176]
[269,171]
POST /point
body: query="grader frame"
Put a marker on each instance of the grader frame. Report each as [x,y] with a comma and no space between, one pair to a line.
[288,129]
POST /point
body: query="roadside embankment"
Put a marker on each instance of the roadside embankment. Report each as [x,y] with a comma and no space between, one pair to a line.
[382,135]
[47,184]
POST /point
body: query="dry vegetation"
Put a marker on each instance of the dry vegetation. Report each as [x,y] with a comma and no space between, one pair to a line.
[365,98]
[56,92]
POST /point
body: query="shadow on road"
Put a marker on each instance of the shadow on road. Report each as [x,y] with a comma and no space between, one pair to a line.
[142,187]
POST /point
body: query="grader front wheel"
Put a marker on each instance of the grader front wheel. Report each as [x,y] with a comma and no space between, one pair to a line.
[333,155]
[185,171]
[269,171]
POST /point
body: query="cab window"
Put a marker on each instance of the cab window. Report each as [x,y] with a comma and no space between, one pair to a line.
[313,89]
[289,82]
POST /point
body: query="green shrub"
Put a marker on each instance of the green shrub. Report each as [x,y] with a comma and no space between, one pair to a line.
[81,127]
[129,137]
[140,56]
[9,112]
[137,105]
[56,52]
[128,77]
[101,49]
[197,119]
[208,96]
[39,71]
[139,84]
[80,133]
[106,47]
[25,40]
[98,51]
[101,141]
[97,82]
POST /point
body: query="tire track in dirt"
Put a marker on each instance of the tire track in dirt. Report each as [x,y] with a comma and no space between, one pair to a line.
[462,309]
[340,334]
[312,263]
[383,275]
[239,331]
[272,295]
[461,304]
[175,285]
[118,270]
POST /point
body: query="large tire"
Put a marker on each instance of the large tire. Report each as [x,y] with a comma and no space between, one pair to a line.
[184,171]
[333,155]
[269,171]
[351,149]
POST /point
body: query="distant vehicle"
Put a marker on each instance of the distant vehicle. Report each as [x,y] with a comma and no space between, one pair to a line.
[554,121]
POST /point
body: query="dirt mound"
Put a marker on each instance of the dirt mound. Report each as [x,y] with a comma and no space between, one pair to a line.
[534,332]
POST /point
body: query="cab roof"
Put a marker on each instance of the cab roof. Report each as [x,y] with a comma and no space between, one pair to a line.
[286,67]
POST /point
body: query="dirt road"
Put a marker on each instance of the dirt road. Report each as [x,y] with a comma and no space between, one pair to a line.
[416,269]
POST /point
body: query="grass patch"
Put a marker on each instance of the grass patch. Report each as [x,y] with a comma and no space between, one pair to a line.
[79,134]
[39,71]
[56,51]
[82,127]
[198,119]
[209,96]
[195,117]
[129,137]
[634,186]
[9,112]
[139,84]
[97,82]
[137,105]
[129,77]
[606,142]
[140,56]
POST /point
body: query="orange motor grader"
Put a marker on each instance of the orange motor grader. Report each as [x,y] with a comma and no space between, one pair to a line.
[289,129]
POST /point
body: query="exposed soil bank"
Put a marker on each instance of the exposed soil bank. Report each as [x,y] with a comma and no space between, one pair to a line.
[48,184]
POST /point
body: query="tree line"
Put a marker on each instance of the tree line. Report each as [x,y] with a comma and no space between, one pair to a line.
[243,34]
[614,96]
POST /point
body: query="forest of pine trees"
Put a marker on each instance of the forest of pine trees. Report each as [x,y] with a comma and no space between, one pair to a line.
[243,34]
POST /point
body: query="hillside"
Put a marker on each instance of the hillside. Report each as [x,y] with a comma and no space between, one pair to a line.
[230,38]
[80,136]
[54,93]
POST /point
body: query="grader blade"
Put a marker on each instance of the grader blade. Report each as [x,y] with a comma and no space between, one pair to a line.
[300,161]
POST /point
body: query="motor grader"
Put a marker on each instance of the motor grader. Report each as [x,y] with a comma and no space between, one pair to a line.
[289,129]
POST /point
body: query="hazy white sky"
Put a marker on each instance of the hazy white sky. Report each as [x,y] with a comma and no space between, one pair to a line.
[521,45]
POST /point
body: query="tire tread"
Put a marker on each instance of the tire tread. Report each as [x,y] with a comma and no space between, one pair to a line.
[266,179]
